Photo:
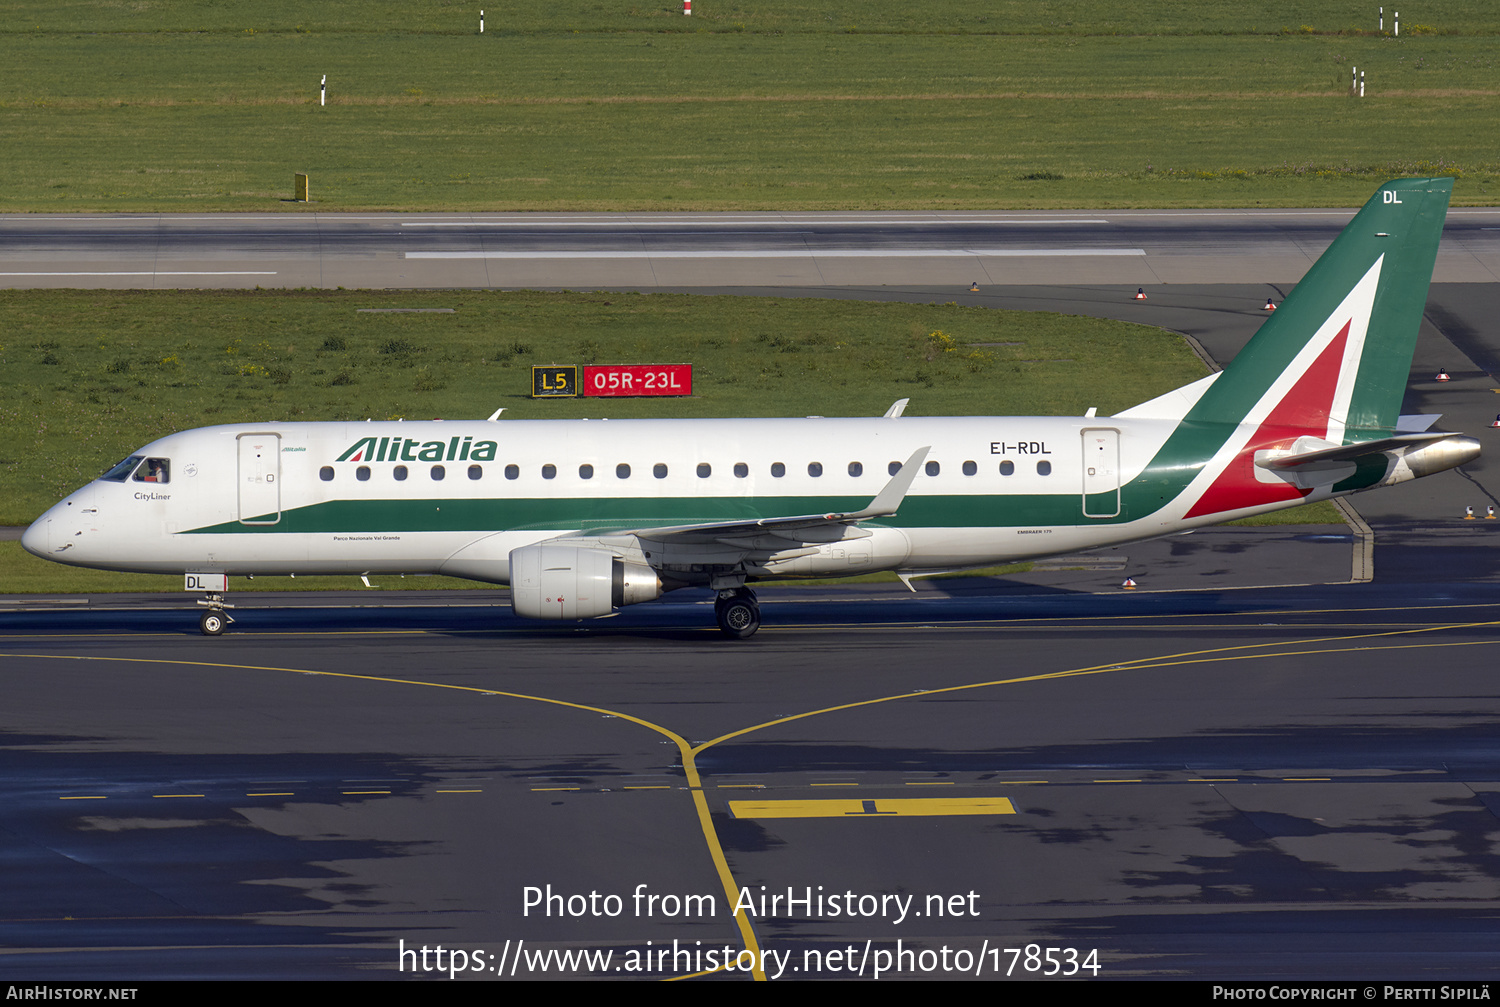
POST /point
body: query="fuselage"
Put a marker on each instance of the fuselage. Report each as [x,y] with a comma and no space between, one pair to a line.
[420,497]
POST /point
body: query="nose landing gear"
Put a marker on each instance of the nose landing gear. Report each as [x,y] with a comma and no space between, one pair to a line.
[215,620]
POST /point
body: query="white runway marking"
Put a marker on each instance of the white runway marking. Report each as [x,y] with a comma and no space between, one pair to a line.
[627,224]
[787,253]
[153,273]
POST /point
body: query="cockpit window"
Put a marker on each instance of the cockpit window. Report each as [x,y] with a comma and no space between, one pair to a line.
[156,470]
[122,471]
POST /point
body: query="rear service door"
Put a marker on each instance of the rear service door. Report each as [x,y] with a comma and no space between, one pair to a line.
[1101,472]
[260,478]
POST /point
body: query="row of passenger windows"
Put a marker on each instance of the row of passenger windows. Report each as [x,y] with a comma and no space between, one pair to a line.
[659,470]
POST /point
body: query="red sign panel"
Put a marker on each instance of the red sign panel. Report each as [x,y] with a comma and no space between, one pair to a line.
[620,380]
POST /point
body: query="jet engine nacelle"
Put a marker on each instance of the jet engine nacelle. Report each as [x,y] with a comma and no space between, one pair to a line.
[573,582]
[1438,456]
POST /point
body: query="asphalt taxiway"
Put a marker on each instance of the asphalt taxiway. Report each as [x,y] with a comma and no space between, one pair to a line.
[1292,771]
[1287,783]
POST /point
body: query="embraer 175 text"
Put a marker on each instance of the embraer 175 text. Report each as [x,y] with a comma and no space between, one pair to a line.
[581,518]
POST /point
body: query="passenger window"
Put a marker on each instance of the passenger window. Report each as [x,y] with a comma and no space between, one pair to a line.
[622,471]
[362,473]
[741,470]
[438,472]
[778,470]
[856,469]
[815,469]
[933,468]
[1044,468]
[585,471]
[512,471]
[1007,468]
[326,473]
[122,471]
[704,470]
[475,471]
[893,468]
[154,471]
[549,471]
[400,473]
[659,470]
[970,468]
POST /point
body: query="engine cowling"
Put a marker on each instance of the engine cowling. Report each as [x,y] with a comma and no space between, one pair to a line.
[576,582]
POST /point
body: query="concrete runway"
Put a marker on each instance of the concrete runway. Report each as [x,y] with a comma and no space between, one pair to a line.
[1244,782]
[622,251]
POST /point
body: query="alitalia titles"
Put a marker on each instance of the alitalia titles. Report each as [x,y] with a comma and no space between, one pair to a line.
[404,449]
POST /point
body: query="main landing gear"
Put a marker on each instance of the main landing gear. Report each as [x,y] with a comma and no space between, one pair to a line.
[215,620]
[738,612]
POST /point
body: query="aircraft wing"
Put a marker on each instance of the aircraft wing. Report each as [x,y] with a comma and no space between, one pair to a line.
[801,527]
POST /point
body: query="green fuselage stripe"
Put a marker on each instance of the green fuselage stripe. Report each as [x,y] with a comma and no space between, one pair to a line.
[524,514]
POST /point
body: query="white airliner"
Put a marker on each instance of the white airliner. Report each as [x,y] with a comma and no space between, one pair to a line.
[583,517]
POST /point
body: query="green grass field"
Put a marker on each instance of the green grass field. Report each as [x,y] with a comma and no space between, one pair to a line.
[213,106]
[86,377]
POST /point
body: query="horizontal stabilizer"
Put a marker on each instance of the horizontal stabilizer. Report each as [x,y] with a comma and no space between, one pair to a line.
[1347,452]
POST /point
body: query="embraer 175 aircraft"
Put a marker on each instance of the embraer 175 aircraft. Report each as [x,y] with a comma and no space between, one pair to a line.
[581,518]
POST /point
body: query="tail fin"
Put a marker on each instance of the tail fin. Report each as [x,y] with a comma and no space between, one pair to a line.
[1327,369]
[1334,359]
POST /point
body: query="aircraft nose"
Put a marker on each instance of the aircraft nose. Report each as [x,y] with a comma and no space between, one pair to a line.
[67,530]
[35,538]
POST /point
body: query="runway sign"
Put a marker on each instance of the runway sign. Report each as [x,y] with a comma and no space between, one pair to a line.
[554,382]
[622,380]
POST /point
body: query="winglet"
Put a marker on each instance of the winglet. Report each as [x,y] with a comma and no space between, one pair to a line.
[897,408]
[889,499]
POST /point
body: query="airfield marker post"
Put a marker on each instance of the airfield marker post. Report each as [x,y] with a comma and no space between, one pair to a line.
[481,22]
[323,92]
[1396,23]
[687,7]
[1361,83]
[1382,19]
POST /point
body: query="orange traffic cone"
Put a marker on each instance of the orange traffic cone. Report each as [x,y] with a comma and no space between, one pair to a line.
[1129,584]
